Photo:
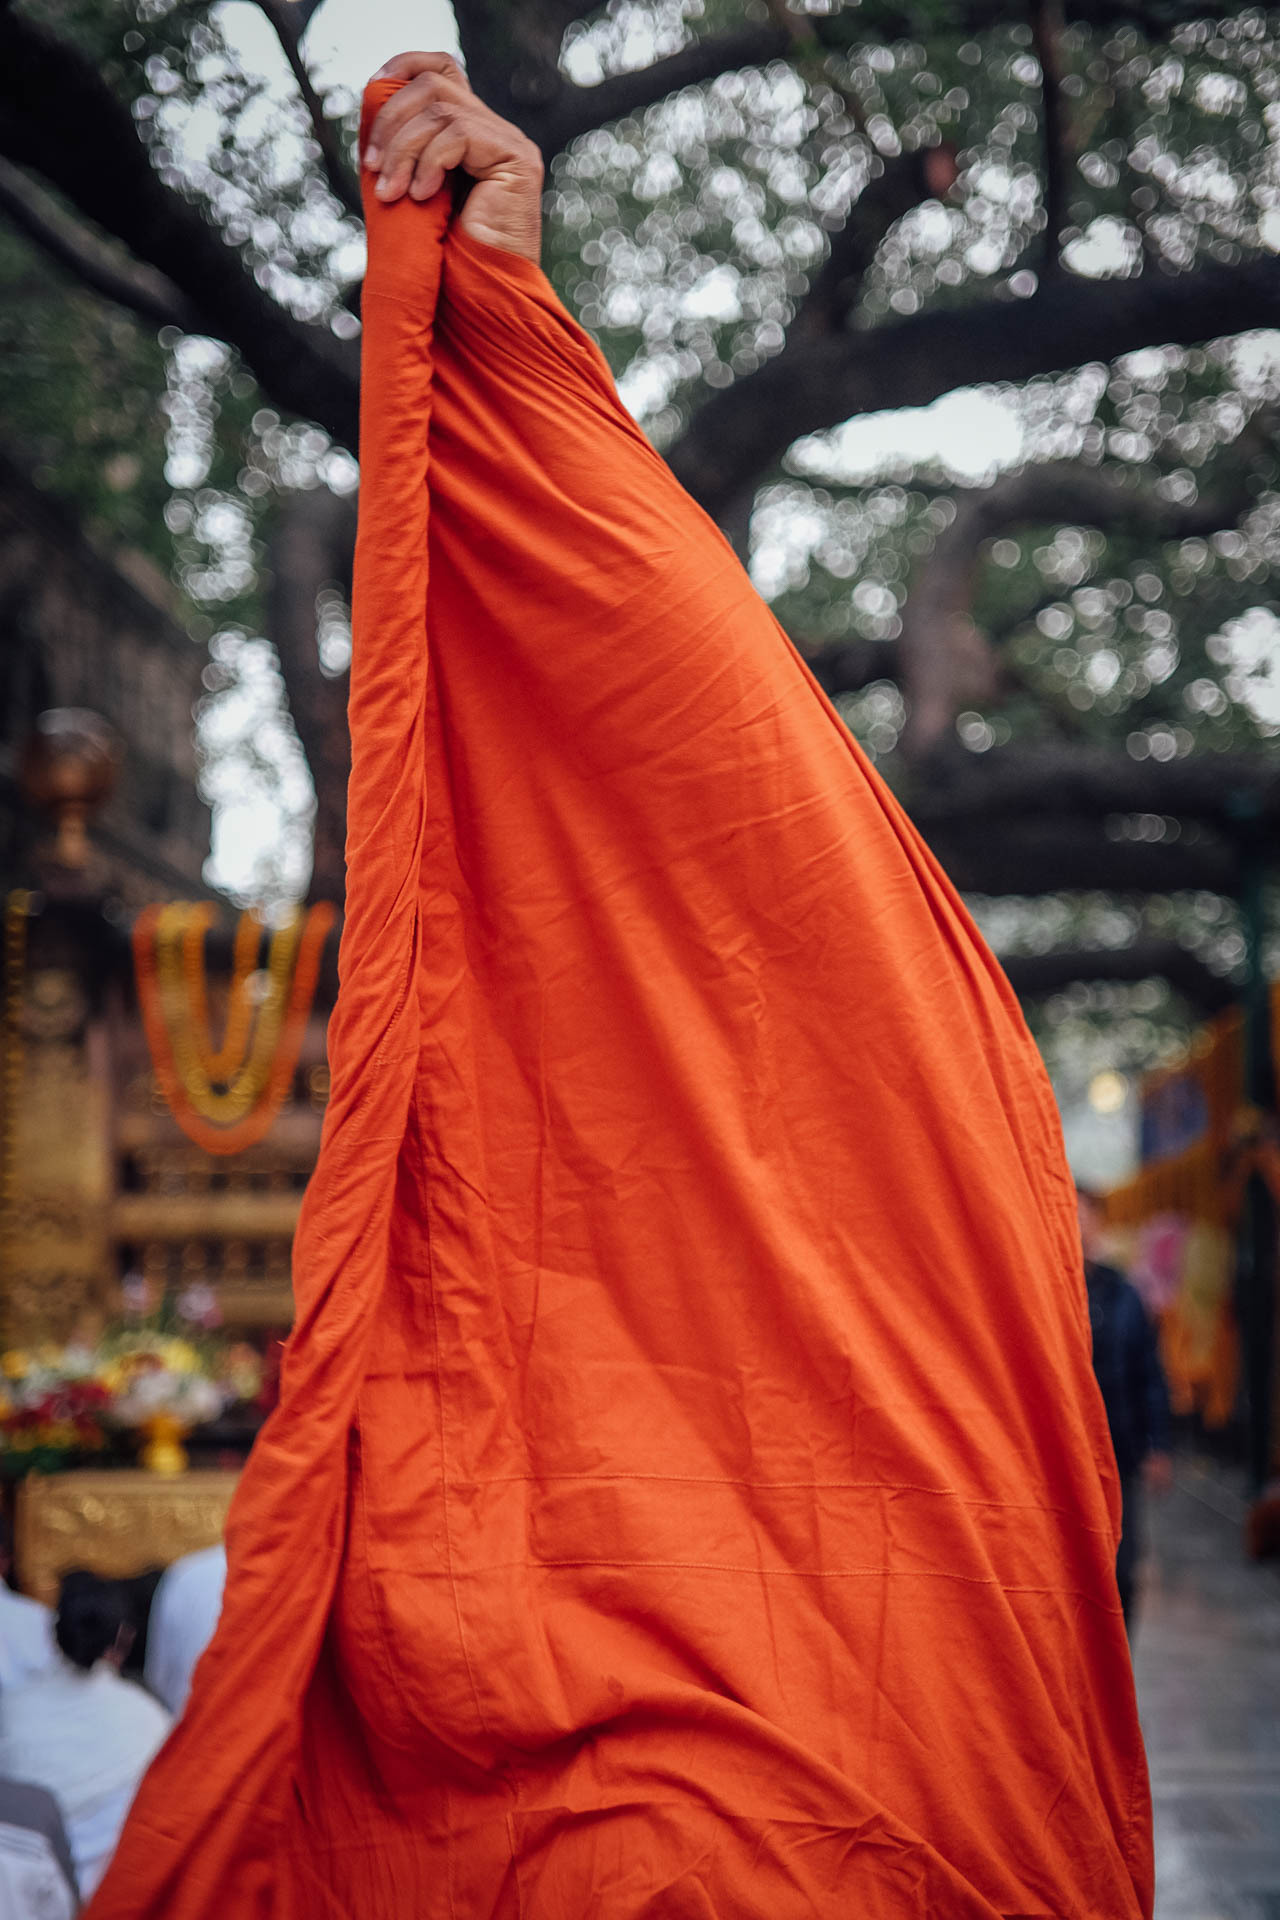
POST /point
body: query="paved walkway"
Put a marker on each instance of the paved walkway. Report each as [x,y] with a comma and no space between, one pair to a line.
[1207,1659]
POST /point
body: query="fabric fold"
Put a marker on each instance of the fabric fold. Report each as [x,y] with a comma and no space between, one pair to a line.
[690,1496]
[207,1831]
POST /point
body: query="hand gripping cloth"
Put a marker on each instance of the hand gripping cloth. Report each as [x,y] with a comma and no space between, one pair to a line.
[689,1496]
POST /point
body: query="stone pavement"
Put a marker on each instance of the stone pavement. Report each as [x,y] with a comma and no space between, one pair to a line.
[1207,1658]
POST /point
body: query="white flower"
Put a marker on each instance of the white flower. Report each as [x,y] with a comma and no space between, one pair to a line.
[186,1396]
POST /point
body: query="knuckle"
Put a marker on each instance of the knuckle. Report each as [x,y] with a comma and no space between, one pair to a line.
[412,135]
[389,122]
[439,107]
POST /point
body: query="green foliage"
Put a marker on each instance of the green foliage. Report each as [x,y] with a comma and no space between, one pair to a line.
[1161,646]
[164,443]
[79,389]
[684,238]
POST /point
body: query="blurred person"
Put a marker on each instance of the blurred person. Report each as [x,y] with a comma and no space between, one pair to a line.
[82,1731]
[1126,1360]
[26,1626]
[137,1592]
[184,1614]
[37,1876]
[1262,1528]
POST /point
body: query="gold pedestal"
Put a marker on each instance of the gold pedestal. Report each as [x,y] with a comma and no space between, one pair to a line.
[114,1524]
[164,1451]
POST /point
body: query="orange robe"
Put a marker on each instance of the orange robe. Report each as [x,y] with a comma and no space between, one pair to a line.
[689,1496]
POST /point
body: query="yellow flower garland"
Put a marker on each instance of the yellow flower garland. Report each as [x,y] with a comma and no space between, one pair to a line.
[219,1064]
[13,985]
[225,1098]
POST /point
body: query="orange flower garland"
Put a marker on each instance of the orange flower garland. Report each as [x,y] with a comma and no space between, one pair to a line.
[168,960]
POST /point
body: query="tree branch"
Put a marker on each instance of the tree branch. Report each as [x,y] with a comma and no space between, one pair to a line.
[903,183]
[309,548]
[1046,32]
[1065,855]
[577,110]
[1021,783]
[881,20]
[823,381]
[847,666]
[513,60]
[1053,818]
[946,662]
[58,116]
[283,15]
[151,295]
[1034,975]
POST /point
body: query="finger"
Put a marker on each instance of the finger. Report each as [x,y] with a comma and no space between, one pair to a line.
[439,157]
[407,66]
[401,156]
[427,90]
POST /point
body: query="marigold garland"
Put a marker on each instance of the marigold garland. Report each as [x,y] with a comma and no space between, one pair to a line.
[225,1099]
[13,963]
[221,1063]
[243,1083]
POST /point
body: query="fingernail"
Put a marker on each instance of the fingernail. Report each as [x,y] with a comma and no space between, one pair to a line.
[372,159]
[383,187]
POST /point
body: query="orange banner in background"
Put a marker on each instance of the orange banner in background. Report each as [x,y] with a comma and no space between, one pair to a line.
[1175,1217]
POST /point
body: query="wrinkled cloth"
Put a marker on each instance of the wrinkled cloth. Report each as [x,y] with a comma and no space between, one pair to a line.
[689,1496]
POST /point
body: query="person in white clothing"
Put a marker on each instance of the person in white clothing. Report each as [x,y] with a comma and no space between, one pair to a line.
[82,1731]
[26,1627]
[37,1878]
[184,1614]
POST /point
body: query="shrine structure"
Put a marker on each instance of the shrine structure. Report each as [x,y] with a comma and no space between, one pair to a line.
[102,833]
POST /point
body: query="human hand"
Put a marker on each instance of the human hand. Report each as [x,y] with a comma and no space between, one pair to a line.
[1157,1472]
[435,123]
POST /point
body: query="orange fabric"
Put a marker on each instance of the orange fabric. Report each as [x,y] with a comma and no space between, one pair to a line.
[689,1496]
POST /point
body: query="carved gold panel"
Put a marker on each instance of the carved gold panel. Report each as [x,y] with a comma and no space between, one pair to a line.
[114,1523]
[56,1251]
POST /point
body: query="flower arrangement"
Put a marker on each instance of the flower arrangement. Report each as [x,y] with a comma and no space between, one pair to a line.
[49,1412]
[61,1404]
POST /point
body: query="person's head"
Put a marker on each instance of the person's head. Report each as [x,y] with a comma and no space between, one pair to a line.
[93,1620]
[138,1590]
[6,1548]
[1093,1222]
